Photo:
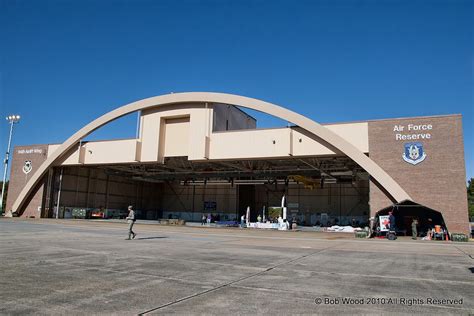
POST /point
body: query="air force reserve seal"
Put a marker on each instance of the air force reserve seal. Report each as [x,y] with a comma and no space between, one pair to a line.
[27,167]
[414,153]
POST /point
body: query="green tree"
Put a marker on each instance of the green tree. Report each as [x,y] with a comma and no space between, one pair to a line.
[470,197]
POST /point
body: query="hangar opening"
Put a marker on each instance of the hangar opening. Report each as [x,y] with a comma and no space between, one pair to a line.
[319,191]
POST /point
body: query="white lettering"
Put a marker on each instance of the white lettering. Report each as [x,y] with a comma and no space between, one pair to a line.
[398,128]
[412,136]
[30,151]
[423,127]
[413,127]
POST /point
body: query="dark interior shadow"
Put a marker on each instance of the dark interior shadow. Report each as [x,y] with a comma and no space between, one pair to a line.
[144,238]
[472,269]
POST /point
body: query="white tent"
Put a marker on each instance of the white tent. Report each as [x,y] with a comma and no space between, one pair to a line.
[283,206]
[248,216]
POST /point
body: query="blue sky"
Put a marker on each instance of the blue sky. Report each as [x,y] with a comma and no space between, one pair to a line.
[64,63]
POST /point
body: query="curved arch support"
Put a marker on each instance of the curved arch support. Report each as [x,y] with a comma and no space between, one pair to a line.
[393,190]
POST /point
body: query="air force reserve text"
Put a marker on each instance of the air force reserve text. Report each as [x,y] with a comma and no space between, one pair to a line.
[413,132]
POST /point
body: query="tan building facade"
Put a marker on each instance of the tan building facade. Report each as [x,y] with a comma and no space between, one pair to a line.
[201,157]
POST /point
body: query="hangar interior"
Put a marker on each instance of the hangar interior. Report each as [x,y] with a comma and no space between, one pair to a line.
[318,190]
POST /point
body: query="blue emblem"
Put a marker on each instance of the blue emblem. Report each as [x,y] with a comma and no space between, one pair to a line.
[414,153]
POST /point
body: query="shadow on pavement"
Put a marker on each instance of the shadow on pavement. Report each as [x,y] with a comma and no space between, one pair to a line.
[144,238]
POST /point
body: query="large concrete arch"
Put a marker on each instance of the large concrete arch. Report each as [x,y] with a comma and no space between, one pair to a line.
[393,190]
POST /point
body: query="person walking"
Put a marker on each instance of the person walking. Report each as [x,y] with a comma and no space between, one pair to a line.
[414,232]
[203,220]
[131,220]
[371,227]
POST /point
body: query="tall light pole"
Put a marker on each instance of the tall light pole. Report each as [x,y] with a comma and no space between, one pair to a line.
[12,119]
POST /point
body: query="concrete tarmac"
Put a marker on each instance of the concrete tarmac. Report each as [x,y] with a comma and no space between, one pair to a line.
[78,267]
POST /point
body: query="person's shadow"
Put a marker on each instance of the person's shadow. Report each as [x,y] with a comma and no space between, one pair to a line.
[145,238]
[472,269]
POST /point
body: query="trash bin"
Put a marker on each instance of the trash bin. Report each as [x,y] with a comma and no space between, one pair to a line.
[459,237]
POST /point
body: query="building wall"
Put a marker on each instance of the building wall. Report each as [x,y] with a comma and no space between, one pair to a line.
[37,154]
[437,182]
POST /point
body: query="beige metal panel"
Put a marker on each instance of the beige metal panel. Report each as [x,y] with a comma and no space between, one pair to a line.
[226,145]
[207,148]
[250,144]
[52,148]
[116,151]
[82,154]
[304,145]
[70,159]
[259,143]
[150,131]
[138,150]
[394,190]
[356,134]
[176,138]
[101,152]
[200,128]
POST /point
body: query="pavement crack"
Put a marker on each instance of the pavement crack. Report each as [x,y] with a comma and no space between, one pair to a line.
[235,281]
[463,252]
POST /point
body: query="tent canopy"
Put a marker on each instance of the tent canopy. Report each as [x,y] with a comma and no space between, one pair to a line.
[407,210]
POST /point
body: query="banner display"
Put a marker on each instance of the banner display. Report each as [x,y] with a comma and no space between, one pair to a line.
[384,223]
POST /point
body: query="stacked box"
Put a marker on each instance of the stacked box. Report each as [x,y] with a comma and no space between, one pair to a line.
[361,234]
[79,213]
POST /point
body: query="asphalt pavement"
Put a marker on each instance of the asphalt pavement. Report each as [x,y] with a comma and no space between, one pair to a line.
[79,267]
